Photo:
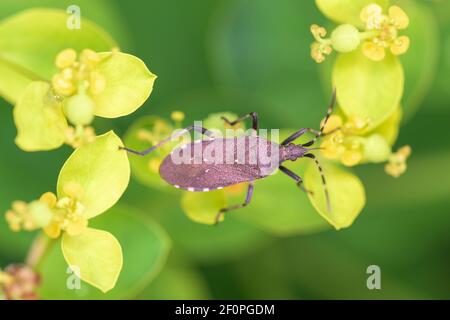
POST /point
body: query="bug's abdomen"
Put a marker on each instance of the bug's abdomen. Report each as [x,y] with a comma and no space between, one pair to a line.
[214,164]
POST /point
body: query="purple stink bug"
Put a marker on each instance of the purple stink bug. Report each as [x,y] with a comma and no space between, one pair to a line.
[197,174]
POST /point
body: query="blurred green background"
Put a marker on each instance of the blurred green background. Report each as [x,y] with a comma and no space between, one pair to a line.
[253,55]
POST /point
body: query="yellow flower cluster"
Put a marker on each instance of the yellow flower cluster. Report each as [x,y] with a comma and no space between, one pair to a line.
[396,165]
[381,32]
[349,143]
[78,81]
[74,73]
[29,217]
[321,47]
[68,212]
[342,141]
[19,217]
[78,136]
[51,214]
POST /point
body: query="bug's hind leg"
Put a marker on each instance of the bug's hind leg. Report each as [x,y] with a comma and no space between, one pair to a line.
[178,134]
[253,115]
[297,178]
[248,198]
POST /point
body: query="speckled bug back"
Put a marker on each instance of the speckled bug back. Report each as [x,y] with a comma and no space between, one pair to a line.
[216,163]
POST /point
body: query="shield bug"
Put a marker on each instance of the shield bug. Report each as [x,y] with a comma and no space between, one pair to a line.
[196,167]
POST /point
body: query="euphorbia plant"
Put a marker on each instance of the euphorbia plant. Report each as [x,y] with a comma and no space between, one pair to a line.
[56,92]
[369,80]
[59,89]
[86,188]
[109,85]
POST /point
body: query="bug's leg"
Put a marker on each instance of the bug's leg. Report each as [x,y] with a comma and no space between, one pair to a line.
[317,133]
[297,178]
[301,132]
[248,198]
[252,115]
[324,182]
[297,134]
[201,130]
[324,123]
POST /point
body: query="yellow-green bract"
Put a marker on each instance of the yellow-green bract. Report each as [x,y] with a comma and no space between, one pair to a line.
[103,172]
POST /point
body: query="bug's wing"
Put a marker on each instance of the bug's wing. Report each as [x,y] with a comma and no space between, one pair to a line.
[204,177]
[188,168]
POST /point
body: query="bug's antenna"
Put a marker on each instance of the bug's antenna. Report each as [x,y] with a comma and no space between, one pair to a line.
[324,182]
[318,148]
[322,127]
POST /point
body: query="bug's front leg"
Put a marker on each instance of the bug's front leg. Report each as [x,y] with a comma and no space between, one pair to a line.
[298,134]
[317,133]
[297,178]
[253,115]
[322,175]
[248,198]
[201,130]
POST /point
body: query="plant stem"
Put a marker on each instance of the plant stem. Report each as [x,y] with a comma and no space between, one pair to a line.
[368,34]
[38,249]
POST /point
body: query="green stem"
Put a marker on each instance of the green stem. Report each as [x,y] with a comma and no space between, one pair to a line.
[368,34]
[39,248]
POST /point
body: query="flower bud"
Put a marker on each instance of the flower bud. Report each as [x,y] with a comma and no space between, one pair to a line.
[376,149]
[79,109]
[40,213]
[177,116]
[345,38]
[22,283]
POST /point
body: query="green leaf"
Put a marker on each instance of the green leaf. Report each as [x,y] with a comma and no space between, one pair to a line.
[22,33]
[203,207]
[178,280]
[368,89]
[128,85]
[346,11]
[14,80]
[420,62]
[347,195]
[209,244]
[146,169]
[39,119]
[101,169]
[105,15]
[96,255]
[145,248]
